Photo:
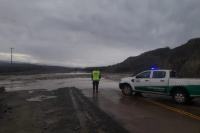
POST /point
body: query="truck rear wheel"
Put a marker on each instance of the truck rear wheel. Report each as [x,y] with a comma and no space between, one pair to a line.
[127,90]
[180,97]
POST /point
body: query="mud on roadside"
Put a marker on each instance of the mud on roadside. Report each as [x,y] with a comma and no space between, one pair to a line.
[61,110]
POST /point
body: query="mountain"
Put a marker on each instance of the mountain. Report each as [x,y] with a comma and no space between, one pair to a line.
[139,63]
[185,59]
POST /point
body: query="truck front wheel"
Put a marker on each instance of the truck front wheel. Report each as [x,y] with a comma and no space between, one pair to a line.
[180,97]
[127,90]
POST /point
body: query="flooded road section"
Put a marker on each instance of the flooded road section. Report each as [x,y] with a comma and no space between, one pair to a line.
[138,114]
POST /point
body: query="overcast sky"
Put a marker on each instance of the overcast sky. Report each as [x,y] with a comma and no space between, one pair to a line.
[83,33]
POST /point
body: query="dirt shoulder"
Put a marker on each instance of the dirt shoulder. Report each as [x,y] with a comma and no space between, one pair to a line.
[61,110]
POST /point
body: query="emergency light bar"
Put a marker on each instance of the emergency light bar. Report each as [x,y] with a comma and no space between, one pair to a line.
[154,68]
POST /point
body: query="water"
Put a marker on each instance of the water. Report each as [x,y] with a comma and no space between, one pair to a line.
[40,98]
[31,82]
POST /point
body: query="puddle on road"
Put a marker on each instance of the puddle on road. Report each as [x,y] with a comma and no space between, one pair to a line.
[40,98]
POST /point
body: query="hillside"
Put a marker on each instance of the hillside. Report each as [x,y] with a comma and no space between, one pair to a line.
[139,63]
[185,59]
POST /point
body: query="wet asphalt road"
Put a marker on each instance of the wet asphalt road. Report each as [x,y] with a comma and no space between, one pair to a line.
[141,116]
[147,114]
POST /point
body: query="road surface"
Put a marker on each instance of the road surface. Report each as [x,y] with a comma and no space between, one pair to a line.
[148,113]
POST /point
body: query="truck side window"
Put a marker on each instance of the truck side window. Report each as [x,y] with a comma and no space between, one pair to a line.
[144,75]
[173,74]
[159,74]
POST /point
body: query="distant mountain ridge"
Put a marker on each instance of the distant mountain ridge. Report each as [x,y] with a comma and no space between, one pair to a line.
[4,62]
[185,59]
[28,68]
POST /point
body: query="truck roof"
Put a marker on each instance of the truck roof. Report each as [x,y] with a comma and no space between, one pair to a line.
[161,70]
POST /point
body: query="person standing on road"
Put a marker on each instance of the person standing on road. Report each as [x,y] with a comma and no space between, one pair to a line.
[96,76]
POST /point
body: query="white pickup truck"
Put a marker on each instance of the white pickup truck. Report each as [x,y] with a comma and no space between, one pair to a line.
[161,82]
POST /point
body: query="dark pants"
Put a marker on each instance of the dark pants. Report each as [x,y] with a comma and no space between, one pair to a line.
[95,85]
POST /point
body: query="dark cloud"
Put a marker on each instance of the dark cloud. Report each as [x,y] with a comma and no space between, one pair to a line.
[91,33]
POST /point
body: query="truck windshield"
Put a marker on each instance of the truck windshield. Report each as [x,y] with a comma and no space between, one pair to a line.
[144,75]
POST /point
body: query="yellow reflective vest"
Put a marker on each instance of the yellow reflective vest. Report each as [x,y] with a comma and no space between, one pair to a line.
[96,75]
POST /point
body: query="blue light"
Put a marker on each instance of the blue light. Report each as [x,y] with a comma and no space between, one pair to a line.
[154,68]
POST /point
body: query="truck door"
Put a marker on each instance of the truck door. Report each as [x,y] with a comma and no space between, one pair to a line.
[142,81]
[159,82]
